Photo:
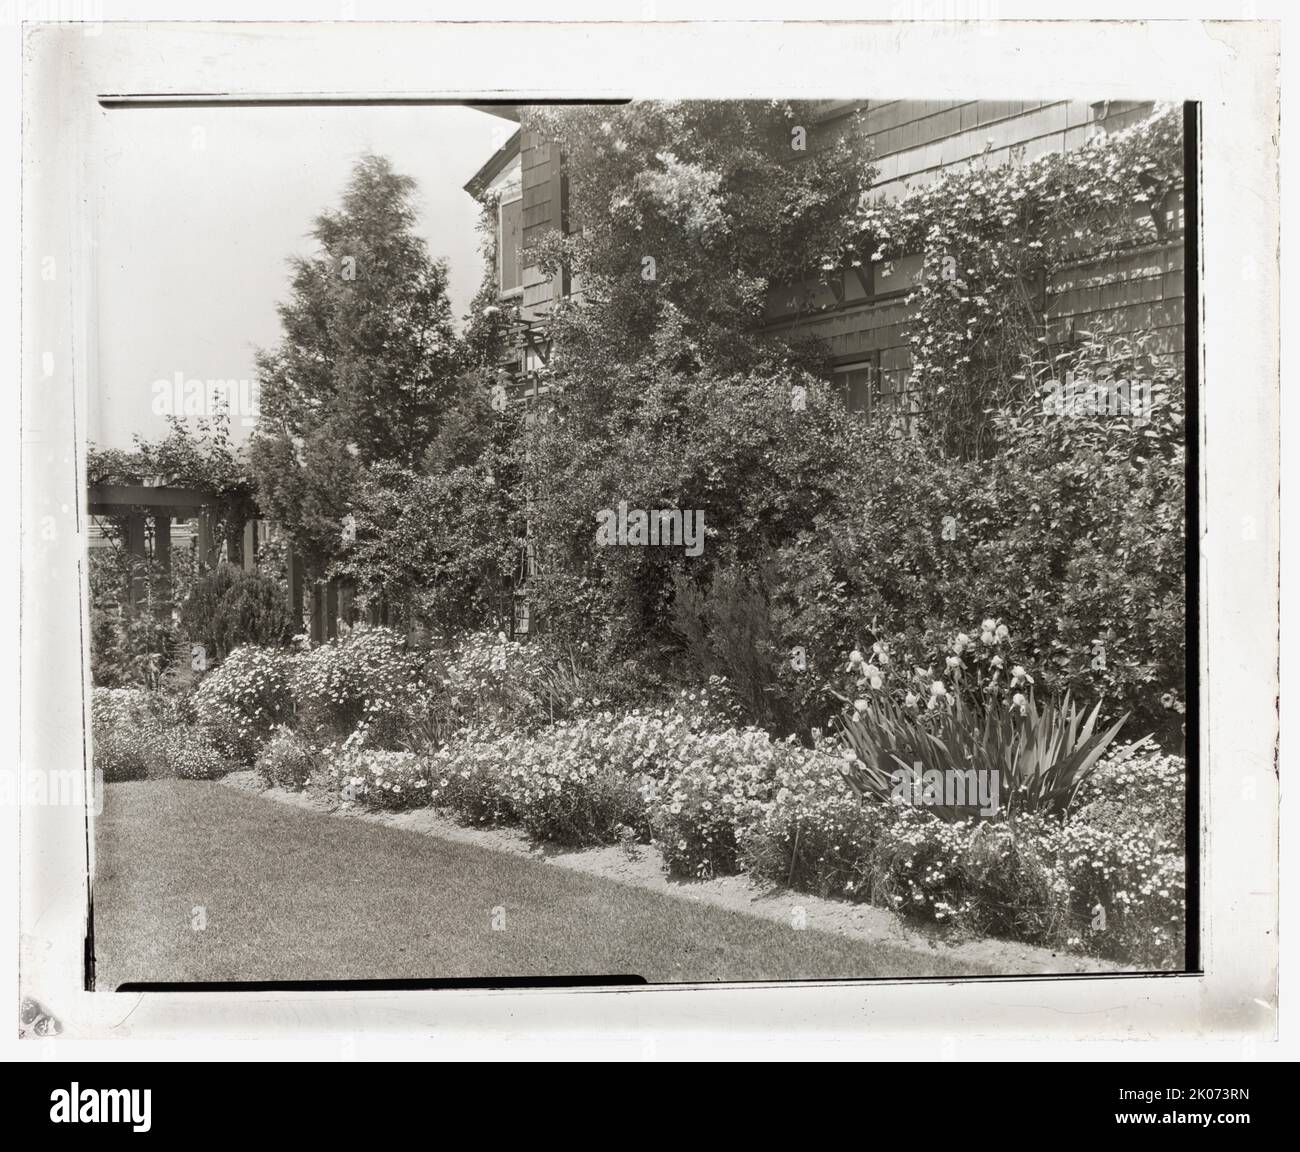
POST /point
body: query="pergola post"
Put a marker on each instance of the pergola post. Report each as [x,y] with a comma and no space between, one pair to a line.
[317,612]
[162,552]
[250,545]
[205,541]
[294,565]
[137,558]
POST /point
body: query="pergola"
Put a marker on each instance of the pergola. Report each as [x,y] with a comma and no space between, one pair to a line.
[161,504]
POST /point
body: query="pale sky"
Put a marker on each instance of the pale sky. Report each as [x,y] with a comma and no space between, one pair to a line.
[200,208]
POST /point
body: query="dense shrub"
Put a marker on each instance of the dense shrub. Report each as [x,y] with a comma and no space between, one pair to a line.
[200,609]
[572,783]
[445,545]
[228,608]
[253,610]
[720,786]
[736,450]
[727,633]
[1073,534]
[240,702]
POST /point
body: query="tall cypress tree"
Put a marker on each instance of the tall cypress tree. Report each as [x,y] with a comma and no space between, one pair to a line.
[365,366]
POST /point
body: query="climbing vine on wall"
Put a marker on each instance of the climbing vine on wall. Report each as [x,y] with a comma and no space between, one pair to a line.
[989,238]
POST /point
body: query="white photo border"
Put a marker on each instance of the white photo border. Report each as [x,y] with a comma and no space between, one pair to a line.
[1229,67]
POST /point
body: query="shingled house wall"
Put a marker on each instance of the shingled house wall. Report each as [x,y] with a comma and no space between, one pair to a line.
[914,143]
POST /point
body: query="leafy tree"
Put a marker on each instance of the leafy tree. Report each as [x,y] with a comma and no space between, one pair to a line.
[665,391]
[365,365]
[445,544]
[687,213]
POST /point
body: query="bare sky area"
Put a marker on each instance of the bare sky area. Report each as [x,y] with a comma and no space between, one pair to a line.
[199,210]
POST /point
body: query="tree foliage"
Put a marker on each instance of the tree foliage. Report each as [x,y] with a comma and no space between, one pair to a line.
[682,215]
[365,364]
[444,544]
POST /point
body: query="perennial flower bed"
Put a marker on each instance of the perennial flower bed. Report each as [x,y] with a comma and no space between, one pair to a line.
[734,800]
[1099,868]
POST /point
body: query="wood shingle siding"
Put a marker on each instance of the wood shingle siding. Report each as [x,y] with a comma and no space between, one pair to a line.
[916,142]
[543,211]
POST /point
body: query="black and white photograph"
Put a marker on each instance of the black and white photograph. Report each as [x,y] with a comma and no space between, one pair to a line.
[738,540]
[570,537]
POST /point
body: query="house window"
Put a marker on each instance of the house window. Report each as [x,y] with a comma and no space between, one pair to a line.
[858,384]
[1172,208]
[510,233]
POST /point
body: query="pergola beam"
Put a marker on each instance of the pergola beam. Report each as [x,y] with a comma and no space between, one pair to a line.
[116,499]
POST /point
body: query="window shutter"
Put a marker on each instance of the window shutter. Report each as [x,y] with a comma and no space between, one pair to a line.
[509,241]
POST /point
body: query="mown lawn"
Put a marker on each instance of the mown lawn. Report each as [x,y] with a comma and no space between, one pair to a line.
[288,894]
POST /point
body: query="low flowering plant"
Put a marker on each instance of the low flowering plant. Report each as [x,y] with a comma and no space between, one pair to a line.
[286,761]
[725,782]
[976,718]
[367,676]
[244,698]
[377,778]
[139,734]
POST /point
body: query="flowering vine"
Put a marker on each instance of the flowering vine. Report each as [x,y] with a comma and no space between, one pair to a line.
[990,237]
